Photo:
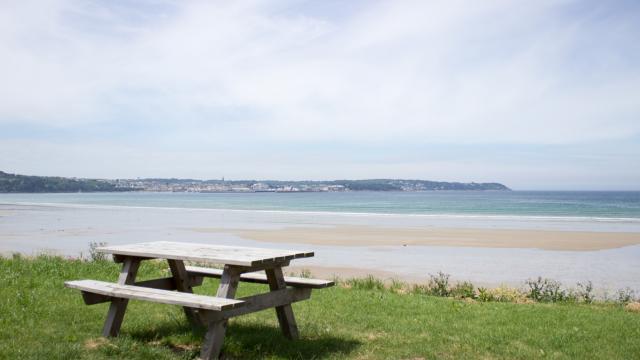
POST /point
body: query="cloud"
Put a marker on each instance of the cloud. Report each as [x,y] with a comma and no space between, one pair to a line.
[460,72]
[344,90]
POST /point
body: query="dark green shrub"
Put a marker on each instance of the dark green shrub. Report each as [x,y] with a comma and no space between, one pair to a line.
[485,294]
[463,290]
[439,284]
[625,296]
[545,290]
[584,292]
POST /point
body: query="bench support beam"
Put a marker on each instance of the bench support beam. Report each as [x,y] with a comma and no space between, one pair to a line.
[182,282]
[213,339]
[93,298]
[118,306]
[284,312]
[262,302]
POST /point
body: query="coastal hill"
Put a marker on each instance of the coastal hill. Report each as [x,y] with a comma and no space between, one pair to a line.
[13,183]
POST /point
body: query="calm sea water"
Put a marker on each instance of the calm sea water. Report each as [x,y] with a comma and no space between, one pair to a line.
[555,204]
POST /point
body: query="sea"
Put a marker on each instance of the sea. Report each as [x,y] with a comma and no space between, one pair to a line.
[614,205]
[569,210]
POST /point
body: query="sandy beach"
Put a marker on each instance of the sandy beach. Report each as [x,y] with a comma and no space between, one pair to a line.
[381,236]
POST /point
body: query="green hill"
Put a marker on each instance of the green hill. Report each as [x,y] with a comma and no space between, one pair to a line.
[13,183]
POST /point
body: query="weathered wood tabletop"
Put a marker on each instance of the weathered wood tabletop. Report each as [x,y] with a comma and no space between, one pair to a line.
[212,311]
[205,253]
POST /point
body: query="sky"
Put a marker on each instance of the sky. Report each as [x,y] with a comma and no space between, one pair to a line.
[533,94]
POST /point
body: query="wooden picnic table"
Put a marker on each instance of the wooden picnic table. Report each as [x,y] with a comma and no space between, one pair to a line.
[240,264]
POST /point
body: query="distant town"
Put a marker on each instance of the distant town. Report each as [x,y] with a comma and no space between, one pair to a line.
[212,186]
[11,183]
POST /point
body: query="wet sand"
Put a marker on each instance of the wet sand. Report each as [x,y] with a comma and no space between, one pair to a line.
[451,237]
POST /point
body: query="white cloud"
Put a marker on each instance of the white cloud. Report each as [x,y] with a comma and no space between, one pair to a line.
[419,71]
[197,81]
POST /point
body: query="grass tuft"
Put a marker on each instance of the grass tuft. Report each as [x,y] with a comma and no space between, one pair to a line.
[366,283]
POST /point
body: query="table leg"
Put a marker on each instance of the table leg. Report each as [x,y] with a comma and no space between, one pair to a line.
[216,330]
[285,312]
[115,315]
[181,279]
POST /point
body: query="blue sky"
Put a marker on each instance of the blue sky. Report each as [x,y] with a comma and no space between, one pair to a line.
[536,95]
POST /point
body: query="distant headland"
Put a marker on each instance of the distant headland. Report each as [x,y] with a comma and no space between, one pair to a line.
[13,183]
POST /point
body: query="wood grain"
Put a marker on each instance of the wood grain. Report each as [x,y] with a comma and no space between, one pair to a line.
[284,312]
[215,254]
[154,295]
[118,306]
[262,278]
[214,338]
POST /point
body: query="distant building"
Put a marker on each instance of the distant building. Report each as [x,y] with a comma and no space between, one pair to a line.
[260,187]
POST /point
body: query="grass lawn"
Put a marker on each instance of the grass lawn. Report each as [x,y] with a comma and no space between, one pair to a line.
[40,319]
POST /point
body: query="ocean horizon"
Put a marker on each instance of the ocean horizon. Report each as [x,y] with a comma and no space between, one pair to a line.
[613,206]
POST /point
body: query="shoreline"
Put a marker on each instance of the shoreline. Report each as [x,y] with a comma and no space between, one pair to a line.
[372,236]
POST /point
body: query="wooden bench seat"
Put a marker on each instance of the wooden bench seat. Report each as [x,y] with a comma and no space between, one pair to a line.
[155,295]
[261,278]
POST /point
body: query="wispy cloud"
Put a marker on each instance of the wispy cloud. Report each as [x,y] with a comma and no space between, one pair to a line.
[219,73]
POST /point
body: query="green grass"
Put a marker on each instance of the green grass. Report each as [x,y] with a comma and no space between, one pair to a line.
[40,319]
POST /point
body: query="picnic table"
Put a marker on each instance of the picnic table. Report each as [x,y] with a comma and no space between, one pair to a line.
[239,264]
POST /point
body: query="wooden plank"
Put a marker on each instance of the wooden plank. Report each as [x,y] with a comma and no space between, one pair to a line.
[154,295]
[167,283]
[229,282]
[92,298]
[252,303]
[264,301]
[284,312]
[214,338]
[116,311]
[121,258]
[183,284]
[206,253]
[262,278]
[262,266]
[162,283]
